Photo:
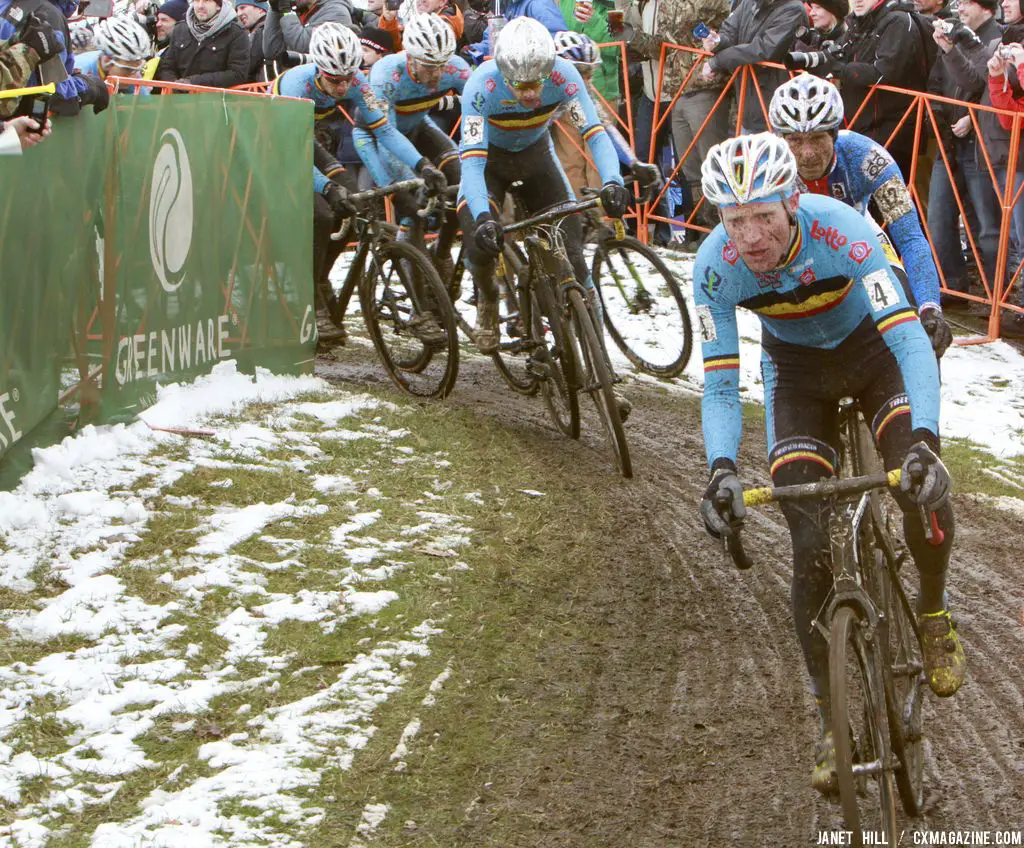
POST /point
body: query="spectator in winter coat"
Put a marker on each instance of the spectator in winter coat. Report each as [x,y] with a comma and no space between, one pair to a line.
[210,47]
[36,43]
[170,13]
[971,177]
[283,31]
[828,25]
[391,22]
[884,44]
[252,15]
[755,31]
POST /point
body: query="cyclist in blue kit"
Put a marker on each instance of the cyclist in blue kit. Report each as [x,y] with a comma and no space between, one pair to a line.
[508,106]
[808,112]
[835,322]
[410,84]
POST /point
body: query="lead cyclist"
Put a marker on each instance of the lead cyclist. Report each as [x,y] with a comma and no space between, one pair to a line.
[807,112]
[835,322]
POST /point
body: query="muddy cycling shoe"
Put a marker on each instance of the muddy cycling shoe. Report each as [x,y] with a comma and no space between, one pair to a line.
[944,662]
[824,777]
[625,407]
[487,333]
[329,332]
[427,330]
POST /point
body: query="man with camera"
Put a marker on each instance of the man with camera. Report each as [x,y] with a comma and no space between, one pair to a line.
[976,25]
[285,32]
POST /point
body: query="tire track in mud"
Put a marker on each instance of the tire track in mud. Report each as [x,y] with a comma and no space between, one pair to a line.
[700,727]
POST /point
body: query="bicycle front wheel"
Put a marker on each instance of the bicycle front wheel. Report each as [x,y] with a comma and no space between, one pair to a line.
[597,381]
[553,360]
[644,309]
[866,790]
[410,320]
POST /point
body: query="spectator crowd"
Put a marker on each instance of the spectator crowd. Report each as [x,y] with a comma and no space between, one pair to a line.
[966,51]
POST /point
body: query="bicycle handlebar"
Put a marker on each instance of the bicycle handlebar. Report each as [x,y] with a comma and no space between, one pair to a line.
[833,487]
[562,210]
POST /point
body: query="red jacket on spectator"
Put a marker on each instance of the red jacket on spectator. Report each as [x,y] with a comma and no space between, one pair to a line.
[1002,97]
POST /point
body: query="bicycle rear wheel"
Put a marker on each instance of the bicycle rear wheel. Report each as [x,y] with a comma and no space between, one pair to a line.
[858,722]
[399,287]
[553,360]
[644,309]
[597,380]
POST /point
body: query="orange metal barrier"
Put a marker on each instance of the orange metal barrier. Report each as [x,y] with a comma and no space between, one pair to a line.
[919,108]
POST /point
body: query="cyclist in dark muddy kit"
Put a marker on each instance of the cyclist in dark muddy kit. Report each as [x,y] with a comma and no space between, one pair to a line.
[835,322]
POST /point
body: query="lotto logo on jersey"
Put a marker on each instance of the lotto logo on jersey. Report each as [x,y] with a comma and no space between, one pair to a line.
[729,253]
[859,251]
[807,277]
[830,235]
[557,78]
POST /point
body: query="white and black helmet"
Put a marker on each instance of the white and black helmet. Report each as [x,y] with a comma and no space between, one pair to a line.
[429,38]
[123,39]
[578,48]
[525,51]
[749,169]
[806,104]
[336,49]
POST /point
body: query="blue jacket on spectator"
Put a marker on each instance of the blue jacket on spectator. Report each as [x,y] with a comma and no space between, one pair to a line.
[73,86]
[545,11]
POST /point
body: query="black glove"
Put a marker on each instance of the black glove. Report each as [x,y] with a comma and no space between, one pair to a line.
[722,509]
[96,93]
[807,61]
[924,477]
[963,36]
[937,329]
[614,200]
[337,197]
[433,180]
[39,35]
[489,235]
[647,176]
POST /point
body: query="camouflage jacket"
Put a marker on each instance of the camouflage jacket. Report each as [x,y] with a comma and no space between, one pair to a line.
[17,62]
[674,23]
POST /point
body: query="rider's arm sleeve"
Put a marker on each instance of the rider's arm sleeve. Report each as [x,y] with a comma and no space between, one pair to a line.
[473,149]
[383,130]
[721,410]
[892,198]
[897,323]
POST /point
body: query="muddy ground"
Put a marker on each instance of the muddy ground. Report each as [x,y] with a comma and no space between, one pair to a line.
[699,727]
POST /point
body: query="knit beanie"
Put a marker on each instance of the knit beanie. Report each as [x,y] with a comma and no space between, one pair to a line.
[839,8]
[378,40]
[174,9]
[259,4]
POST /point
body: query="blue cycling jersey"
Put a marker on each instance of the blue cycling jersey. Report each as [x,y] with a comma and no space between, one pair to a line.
[410,101]
[834,277]
[360,103]
[492,117]
[89,63]
[864,171]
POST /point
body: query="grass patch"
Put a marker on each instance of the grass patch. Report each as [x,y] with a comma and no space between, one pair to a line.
[971,469]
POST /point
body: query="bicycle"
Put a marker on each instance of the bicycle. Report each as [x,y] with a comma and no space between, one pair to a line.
[876,673]
[547,317]
[398,285]
[643,307]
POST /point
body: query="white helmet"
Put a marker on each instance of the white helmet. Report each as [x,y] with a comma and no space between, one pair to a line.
[748,169]
[806,104]
[576,47]
[336,49]
[525,51]
[122,38]
[429,38]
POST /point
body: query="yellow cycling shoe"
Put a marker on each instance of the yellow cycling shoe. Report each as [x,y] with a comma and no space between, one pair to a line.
[824,777]
[944,661]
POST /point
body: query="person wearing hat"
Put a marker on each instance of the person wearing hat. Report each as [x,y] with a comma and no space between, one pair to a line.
[170,13]
[209,48]
[252,15]
[827,24]
[976,24]
[377,44]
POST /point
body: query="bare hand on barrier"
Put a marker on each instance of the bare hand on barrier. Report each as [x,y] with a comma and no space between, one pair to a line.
[30,133]
[962,128]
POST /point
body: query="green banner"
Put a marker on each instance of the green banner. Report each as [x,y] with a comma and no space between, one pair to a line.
[146,244]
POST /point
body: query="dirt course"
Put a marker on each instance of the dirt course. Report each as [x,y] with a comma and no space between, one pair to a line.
[699,726]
